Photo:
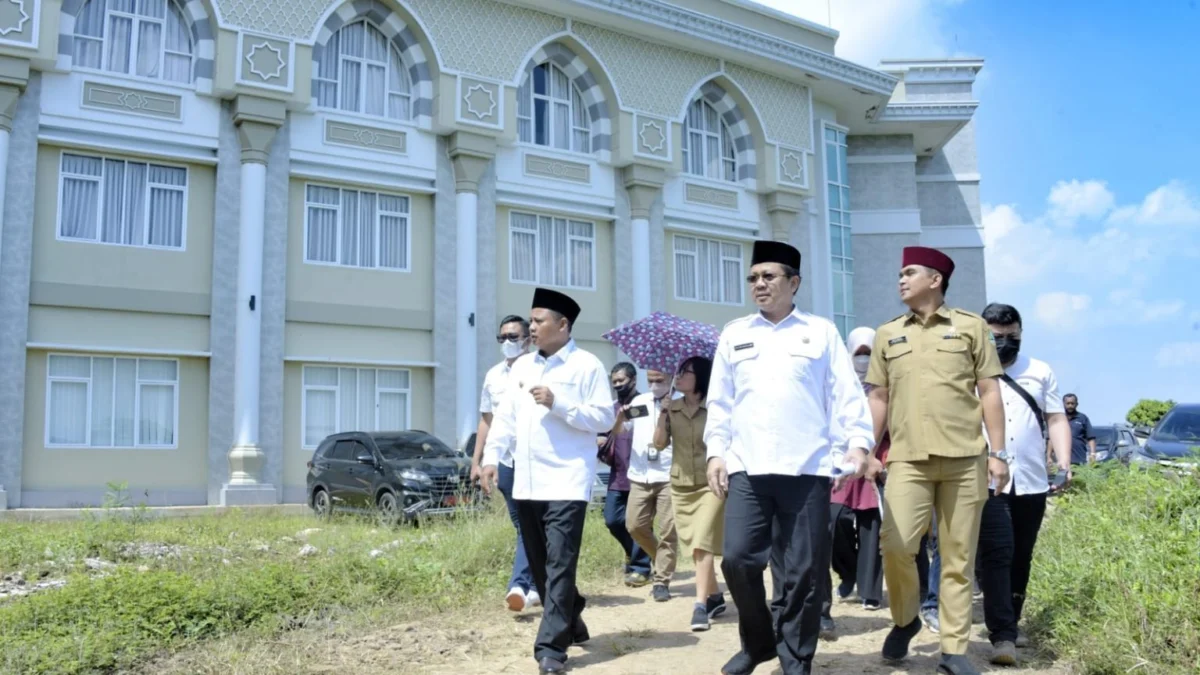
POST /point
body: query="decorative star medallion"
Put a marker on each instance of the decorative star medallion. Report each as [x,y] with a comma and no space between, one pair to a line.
[653,137]
[266,61]
[480,102]
[793,167]
[13,16]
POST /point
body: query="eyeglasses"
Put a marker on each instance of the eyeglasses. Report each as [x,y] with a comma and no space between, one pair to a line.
[767,277]
[509,337]
[686,372]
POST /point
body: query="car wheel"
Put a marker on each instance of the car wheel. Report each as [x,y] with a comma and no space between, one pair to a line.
[321,504]
[389,507]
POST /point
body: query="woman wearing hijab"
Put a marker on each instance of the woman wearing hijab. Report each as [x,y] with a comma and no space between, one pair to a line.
[855,517]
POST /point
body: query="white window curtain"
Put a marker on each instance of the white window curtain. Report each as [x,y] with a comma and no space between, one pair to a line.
[363,72]
[353,399]
[707,270]
[708,148]
[145,38]
[356,228]
[551,111]
[112,201]
[112,402]
[552,251]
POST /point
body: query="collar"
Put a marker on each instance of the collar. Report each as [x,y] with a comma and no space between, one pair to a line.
[677,405]
[559,356]
[942,312]
[795,314]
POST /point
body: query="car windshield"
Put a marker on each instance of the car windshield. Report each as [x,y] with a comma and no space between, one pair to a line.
[1105,436]
[412,448]
[1179,425]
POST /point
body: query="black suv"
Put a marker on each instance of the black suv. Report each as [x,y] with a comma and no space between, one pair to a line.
[402,474]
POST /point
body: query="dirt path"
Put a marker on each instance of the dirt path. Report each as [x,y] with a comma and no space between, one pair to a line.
[631,634]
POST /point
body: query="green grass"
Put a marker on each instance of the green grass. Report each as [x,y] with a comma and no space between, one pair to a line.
[1116,583]
[218,581]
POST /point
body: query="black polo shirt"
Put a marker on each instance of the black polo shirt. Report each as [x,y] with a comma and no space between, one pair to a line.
[1081,433]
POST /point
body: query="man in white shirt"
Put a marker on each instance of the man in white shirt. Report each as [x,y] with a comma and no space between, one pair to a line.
[784,404]
[650,486]
[557,402]
[514,342]
[1011,520]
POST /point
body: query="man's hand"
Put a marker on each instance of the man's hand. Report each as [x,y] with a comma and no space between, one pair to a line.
[1067,476]
[476,472]
[490,477]
[857,457]
[998,473]
[718,477]
[543,396]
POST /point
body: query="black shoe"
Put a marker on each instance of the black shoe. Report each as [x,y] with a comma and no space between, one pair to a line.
[700,620]
[715,605]
[895,647]
[660,593]
[956,664]
[828,629]
[845,589]
[744,664]
[549,665]
[580,634]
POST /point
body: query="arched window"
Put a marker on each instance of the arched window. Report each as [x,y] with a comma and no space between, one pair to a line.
[707,144]
[550,111]
[145,38]
[363,72]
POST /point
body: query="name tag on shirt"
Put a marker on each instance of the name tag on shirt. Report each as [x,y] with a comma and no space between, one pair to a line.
[743,346]
[952,336]
[898,341]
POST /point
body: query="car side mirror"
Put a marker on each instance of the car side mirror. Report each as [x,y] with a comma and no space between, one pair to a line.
[366,458]
[1123,443]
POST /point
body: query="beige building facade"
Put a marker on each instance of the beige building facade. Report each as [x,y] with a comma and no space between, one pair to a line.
[233,227]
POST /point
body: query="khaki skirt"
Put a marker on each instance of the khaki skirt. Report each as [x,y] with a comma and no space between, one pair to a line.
[699,519]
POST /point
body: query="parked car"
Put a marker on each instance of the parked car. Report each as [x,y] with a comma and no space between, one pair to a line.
[1174,439]
[1114,443]
[399,474]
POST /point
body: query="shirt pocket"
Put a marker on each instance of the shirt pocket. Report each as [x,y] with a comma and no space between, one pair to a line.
[804,358]
[899,358]
[743,362]
[952,358]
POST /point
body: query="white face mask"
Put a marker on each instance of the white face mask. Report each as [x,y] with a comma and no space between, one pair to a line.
[660,389]
[512,349]
[861,363]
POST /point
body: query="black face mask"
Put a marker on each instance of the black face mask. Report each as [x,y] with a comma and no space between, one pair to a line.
[1008,347]
[624,390]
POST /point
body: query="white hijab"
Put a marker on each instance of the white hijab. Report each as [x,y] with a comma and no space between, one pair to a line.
[860,337]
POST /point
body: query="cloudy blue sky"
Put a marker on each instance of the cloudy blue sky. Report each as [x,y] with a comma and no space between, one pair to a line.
[1090,160]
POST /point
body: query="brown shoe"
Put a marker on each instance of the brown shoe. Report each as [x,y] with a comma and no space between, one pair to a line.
[1004,653]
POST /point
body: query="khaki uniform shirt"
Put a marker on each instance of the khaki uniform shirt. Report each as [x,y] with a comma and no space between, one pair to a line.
[690,465]
[930,370]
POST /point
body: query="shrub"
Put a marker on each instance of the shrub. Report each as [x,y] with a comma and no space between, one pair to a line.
[1116,579]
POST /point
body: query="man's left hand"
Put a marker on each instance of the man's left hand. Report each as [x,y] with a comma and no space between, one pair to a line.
[543,396]
[998,473]
[856,457]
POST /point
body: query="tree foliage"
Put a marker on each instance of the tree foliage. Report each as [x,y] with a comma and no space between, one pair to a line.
[1148,411]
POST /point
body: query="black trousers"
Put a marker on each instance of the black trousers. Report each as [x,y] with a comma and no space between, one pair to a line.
[781,521]
[1008,533]
[553,533]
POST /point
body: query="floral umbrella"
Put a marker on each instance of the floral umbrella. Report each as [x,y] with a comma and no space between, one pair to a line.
[662,341]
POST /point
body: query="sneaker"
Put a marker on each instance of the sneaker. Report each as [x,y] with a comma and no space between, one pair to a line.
[956,664]
[828,629]
[515,599]
[1022,640]
[845,590]
[660,593]
[636,580]
[700,618]
[929,617]
[1004,653]
[872,605]
[895,646]
[715,605]
[532,599]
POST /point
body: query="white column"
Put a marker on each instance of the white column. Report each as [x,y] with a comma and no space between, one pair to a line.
[10,93]
[644,184]
[465,353]
[4,133]
[641,267]
[246,458]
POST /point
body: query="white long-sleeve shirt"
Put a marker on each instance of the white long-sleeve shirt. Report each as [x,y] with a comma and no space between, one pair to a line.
[554,449]
[641,469]
[784,399]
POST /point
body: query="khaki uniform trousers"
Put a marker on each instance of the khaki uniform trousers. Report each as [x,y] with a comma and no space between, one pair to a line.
[647,500]
[956,488]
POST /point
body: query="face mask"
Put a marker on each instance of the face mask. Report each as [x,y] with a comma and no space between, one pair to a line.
[512,349]
[660,389]
[1007,347]
[861,363]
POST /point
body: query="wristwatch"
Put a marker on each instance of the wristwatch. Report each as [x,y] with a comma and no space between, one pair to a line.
[1002,456]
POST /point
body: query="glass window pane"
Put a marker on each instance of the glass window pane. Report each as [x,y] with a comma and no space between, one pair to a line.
[831,163]
[158,370]
[541,121]
[539,80]
[839,297]
[68,413]
[835,241]
[320,376]
[102,403]
[123,403]
[366,400]
[392,379]
[70,366]
[348,399]
[392,411]
[156,415]
[320,409]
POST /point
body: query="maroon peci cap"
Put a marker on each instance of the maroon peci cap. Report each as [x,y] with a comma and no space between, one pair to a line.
[928,257]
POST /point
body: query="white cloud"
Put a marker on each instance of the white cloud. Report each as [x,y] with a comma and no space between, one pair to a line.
[1080,199]
[871,30]
[1178,355]
[1171,204]
[1062,311]
[1065,312]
